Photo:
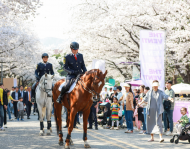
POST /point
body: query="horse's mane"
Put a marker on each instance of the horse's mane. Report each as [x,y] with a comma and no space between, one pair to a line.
[92,71]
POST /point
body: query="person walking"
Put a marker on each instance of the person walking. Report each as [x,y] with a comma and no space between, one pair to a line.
[155,109]
[15,95]
[168,113]
[20,107]
[10,100]
[5,103]
[27,101]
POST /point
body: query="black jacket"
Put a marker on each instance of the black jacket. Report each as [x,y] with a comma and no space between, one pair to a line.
[5,99]
[74,67]
[43,68]
[13,96]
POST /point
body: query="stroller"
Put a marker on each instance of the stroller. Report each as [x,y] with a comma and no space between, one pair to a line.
[103,113]
[183,135]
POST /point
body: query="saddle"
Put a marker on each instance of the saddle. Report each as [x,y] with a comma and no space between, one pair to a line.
[73,84]
[36,85]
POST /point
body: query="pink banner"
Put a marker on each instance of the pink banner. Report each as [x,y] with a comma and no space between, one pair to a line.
[178,105]
[152,50]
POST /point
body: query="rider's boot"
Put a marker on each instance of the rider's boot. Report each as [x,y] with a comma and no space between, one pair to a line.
[63,91]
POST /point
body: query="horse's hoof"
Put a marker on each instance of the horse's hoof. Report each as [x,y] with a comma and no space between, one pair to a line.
[87,146]
[41,134]
[67,147]
[61,143]
[71,142]
[48,134]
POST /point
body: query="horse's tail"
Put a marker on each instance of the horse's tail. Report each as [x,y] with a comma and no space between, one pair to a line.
[43,112]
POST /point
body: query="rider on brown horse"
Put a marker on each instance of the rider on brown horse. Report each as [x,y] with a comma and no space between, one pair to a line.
[73,65]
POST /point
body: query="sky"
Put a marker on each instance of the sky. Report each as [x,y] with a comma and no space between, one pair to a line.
[53,18]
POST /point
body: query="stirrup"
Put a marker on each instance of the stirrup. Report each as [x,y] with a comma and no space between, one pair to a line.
[33,100]
[58,99]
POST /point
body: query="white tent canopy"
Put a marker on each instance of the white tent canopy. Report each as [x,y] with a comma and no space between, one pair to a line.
[181,88]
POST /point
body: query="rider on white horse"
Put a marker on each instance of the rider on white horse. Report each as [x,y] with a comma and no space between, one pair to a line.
[74,65]
[41,69]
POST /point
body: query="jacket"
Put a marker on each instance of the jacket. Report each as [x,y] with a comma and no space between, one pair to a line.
[161,96]
[74,67]
[43,68]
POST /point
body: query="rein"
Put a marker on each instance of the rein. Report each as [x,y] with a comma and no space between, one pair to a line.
[91,91]
[44,89]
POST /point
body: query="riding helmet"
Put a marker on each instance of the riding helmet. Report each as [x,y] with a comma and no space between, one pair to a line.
[74,45]
[45,54]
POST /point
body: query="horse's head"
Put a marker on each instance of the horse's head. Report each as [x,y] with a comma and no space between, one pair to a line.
[98,81]
[46,83]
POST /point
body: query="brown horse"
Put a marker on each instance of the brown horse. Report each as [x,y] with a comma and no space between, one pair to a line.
[80,99]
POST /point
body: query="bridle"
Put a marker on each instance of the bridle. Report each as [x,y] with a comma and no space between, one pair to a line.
[45,89]
[91,91]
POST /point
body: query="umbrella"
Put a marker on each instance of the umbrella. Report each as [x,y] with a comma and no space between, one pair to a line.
[136,83]
[181,88]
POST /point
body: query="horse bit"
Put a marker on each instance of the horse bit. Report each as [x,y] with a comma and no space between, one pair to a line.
[91,91]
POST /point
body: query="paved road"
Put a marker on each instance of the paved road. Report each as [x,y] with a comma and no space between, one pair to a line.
[22,135]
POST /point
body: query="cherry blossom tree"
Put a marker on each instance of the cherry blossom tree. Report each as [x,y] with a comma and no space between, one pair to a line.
[110,30]
[20,50]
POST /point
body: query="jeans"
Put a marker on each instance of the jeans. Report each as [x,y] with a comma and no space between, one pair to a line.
[1,115]
[52,112]
[129,120]
[144,123]
[125,112]
[9,111]
[11,108]
[168,114]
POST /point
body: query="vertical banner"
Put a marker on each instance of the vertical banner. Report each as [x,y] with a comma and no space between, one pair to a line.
[152,51]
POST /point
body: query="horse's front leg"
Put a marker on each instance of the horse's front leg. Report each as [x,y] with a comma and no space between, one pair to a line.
[48,108]
[71,118]
[41,121]
[57,114]
[85,121]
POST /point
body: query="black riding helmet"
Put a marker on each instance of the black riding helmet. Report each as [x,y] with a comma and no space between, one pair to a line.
[74,45]
[45,54]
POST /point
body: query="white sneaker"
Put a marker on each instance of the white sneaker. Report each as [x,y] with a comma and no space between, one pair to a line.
[2,129]
[168,133]
[10,119]
[5,126]
[134,128]
[141,132]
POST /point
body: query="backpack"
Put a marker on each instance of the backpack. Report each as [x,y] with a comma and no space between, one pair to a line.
[167,105]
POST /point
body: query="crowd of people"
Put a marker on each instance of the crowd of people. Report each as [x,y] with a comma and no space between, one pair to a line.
[143,109]
[15,102]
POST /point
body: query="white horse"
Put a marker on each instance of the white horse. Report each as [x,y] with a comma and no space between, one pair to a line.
[44,101]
